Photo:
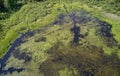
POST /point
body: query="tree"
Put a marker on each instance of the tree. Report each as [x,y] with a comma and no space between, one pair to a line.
[7,4]
[1,4]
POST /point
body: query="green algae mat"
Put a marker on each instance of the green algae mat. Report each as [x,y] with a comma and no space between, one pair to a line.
[60,39]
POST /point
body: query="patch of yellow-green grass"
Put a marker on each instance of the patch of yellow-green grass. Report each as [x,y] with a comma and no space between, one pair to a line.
[98,13]
[109,51]
[68,72]
[115,31]
[114,23]
[30,16]
[39,49]
[9,38]
[33,16]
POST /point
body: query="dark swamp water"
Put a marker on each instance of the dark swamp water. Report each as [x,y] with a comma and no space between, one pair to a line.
[96,65]
[16,43]
[87,66]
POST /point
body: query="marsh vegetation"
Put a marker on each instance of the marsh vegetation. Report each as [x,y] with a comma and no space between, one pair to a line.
[60,38]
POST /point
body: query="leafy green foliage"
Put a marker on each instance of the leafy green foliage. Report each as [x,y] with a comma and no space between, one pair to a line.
[1,5]
[107,5]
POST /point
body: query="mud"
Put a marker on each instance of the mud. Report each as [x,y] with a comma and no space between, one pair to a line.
[43,39]
[22,56]
[88,61]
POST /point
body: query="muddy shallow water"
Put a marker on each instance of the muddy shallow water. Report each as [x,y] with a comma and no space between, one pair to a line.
[66,47]
[16,43]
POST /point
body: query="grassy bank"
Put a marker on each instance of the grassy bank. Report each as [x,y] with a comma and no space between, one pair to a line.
[32,16]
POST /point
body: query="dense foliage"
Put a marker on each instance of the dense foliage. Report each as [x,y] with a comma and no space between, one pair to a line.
[108,5]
